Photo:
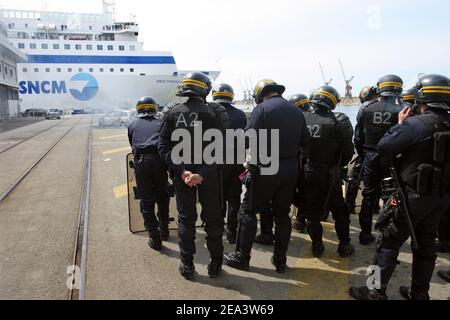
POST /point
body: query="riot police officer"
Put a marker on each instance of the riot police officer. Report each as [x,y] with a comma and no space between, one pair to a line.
[267,219]
[232,185]
[423,141]
[373,123]
[331,149]
[408,97]
[151,172]
[367,97]
[273,112]
[303,102]
[192,176]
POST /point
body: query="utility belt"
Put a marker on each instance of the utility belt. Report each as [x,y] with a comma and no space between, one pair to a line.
[147,156]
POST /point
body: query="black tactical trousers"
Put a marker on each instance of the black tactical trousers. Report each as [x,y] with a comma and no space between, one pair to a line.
[267,192]
[425,213]
[267,220]
[211,215]
[444,227]
[152,187]
[318,184]
[353,184]
[374,171]
[232,188]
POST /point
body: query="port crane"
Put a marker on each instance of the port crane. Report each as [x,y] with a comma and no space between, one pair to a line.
[348,81]
[327,83]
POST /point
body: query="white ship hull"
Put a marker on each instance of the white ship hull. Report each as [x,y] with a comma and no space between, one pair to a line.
[113,92]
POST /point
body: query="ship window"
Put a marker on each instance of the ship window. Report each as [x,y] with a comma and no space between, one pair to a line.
[56,46]
[47,69]
[26,25]
[132,48]
[101,69]
[100,47]
[36,69]
[67,46]
[69,69]
[21,46]
[110,48]
[44,46]
[24,70]
[111,70]
[78,47]
[131,69]
[80,70]
[32,45]
[122,69]
[90,27]
[58,69]
[122,48]
[91,69]
[89,47]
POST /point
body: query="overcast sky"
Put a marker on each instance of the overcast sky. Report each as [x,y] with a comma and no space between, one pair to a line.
[286,39]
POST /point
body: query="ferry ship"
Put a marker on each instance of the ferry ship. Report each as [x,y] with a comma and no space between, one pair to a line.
[88,61]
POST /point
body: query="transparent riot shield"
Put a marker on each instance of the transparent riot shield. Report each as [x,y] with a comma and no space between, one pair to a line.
[136,222]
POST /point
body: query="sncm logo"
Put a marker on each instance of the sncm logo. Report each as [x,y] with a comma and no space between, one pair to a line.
[82,86]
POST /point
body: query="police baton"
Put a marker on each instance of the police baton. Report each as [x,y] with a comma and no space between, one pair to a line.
[403,205]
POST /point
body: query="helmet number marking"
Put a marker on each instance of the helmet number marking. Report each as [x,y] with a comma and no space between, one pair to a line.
[382,118]
[315,131]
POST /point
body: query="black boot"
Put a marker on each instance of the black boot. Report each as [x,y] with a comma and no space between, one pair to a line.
[215,267]
[264,239]
[405,292]
[231,237]
[366,238]
[155,241]
[237,260]
[317,249]
[364,293]
[444,275]
[279,263]
[300,226]
[346,250]
[187,268]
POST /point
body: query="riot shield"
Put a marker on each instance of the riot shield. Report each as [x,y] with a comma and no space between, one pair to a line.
[136,222]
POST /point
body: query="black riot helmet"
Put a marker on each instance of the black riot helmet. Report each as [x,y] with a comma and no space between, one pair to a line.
[195,84]
[223,93]
[433,90]
[301,101]
[390,85]
[146,106]
[408,96]
[327,97]
[368,93]
[265,86]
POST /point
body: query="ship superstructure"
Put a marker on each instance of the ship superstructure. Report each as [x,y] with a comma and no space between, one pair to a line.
[79,60]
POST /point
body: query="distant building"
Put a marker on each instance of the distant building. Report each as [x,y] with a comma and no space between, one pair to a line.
[9,57]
